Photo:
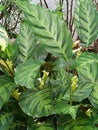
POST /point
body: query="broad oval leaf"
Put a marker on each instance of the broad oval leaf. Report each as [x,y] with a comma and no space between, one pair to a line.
[6,87]
[51,31]
[37,103]
[87,66]
[85,20]
[26,72]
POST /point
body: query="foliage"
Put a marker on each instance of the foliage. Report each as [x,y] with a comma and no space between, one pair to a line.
[44,84]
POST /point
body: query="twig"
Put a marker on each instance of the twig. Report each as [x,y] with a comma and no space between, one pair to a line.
[46,4]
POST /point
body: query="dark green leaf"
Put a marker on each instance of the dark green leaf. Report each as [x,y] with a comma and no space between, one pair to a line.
[88,74]
[6,87]
[39,52]
[62,107]
[40,126]
[26,72]
[5,121]
[37,103]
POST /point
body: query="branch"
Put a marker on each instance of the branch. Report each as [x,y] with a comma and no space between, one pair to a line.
[71,16]
[67,19]
[41,3]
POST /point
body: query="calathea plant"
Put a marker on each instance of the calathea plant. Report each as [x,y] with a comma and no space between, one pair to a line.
[43,84]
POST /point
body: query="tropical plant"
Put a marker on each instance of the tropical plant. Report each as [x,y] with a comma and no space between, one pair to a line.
[44,84]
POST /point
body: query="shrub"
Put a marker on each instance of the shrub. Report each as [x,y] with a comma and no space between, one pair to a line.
[44,85]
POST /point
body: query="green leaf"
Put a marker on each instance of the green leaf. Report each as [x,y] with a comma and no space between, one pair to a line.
[51,31]
[76,16]
[26,72]
[58,11]
[87,66]
[60,84]
[59,63]
[88,62]
[6,87]
[5,121]
[83,128]
[1,8]
[94,96]
[40,53]
[26,42]
[62,78]
[40,126]
[86,22]
[11,51]
[62,107]
[45,128]
[80,123]
[77,128]
[85,86]
[37,103]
